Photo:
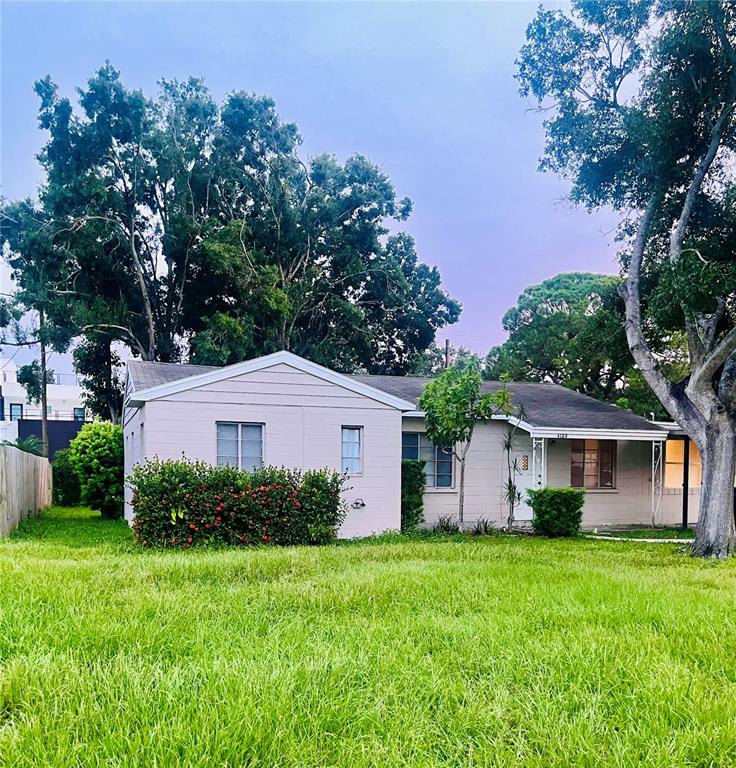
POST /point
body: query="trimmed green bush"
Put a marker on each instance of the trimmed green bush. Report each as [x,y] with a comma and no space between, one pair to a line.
[66,489]
[557,511]
[179,503]
[96,455]
[412,494]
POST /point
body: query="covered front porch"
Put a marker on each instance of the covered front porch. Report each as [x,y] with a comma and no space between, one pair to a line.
[621,471]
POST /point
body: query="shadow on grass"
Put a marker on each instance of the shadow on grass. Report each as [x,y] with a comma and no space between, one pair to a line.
[73,527]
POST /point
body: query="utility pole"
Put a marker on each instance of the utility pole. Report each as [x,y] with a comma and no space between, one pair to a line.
[44,398]
[447,353]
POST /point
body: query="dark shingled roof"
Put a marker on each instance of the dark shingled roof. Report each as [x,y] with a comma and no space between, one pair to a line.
[545,405]
[143,374]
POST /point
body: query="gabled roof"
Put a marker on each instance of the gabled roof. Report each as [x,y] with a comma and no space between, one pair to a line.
[547,407]
[150,381]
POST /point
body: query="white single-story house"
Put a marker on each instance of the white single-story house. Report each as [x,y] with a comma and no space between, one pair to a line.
[284,410]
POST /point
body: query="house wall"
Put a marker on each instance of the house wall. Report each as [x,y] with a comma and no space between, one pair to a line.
[484,477]
[302,417]
[133,448]
[630,503]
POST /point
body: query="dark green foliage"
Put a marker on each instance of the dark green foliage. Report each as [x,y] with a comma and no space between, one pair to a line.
[557,511]
[101,375]
[96,454]
[446,525]
[30,444]
[29,377]
[570,330]
[187,226]
[412,494]
[482,527]
[66,489]
[178,503]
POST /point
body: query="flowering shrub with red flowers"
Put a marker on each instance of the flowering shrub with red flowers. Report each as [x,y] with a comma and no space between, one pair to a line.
[178,503]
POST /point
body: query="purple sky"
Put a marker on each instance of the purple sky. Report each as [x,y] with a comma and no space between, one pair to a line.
[425,90]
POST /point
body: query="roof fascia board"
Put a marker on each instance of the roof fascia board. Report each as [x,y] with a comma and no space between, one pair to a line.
[268,361]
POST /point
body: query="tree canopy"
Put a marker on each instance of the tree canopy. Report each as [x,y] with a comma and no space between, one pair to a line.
[569,329]
[639,101]
[192,228]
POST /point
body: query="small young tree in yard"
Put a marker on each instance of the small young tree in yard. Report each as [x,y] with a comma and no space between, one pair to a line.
[453,403]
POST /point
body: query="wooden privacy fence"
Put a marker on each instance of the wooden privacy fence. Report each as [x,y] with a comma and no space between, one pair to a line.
[25,486]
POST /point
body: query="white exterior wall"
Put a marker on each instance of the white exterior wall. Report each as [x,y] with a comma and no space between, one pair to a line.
[484,477]
[134,448]
[630,503]
[302,417]
[62,398]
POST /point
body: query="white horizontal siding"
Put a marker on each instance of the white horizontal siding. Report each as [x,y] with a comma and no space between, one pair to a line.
[302,417]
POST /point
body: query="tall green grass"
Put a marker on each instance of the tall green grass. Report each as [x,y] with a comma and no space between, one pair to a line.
[481,652]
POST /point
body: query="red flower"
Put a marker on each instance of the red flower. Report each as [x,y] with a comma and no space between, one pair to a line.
[218,518]
[189,540]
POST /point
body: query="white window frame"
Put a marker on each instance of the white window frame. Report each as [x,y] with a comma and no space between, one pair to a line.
[359,430]
[433,486]
[240,425]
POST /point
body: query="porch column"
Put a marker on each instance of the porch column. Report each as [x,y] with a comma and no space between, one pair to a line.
[539,462]
[657,479]
[685,481]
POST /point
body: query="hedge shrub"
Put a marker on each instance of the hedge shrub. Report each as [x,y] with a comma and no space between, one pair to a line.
[179,503]
[412,494]
[66,489]
[557,511]
[96,454]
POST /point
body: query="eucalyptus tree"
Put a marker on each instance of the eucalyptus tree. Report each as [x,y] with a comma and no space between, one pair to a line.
[639,102]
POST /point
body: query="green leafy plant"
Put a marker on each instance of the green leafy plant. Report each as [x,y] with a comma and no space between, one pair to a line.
[96,455]
[482,527]
[557,511]
[30,444]
[66,488]
[412,494]
[179,503]
[453,404]
[447,525]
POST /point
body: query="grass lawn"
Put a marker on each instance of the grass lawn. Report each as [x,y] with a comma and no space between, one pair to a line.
[483,652]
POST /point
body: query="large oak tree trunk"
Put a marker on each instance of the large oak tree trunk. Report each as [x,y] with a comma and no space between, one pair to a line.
[716,532]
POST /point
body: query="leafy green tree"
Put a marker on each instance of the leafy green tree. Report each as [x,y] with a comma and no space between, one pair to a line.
[196,228]
[453,404]
[29,377]
[39,268]
[639,102]
[100,370]
[570,330]
[433,360]
[96,456]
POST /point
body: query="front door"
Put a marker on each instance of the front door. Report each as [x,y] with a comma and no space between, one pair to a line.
[522,466]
